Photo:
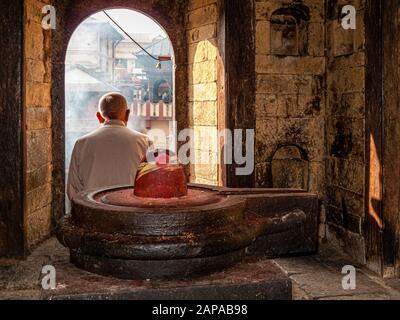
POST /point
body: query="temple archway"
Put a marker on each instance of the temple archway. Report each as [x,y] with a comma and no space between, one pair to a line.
[169,20]
[118,51]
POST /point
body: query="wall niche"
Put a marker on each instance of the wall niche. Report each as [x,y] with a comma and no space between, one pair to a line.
[289,28]
[290,168]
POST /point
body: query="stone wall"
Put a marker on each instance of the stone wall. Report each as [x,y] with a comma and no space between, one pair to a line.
[203,54]
[310,110]
[37,122]
[345,116]
[290,98]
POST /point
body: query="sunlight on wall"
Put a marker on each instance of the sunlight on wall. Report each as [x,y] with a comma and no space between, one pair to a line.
[375,187]
[203,98]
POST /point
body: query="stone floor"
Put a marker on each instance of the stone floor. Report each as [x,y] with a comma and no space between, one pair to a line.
[313,277]
[319,277]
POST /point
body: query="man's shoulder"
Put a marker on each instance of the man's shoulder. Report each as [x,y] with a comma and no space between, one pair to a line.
[138,134]
[88,136]
[101,132]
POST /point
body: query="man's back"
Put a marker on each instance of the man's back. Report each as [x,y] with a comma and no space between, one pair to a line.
[108,156]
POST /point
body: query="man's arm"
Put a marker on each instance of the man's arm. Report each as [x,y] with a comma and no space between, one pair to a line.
[75,184]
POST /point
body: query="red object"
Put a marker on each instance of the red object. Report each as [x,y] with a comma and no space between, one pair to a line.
[162,159]
[164,58]
[165,181]
[194,198]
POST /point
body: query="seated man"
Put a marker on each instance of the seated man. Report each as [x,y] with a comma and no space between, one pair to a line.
[111,154]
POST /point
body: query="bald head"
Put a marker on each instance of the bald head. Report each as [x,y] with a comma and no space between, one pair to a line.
[113,106]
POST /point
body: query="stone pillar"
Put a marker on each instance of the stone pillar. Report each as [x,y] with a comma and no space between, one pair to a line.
[37,124]
[203,88]
[11,131]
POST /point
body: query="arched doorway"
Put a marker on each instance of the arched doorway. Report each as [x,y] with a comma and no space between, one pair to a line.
[116,51]
[77,12]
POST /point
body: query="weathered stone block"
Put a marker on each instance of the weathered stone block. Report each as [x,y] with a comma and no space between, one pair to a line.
[300,106]
[342,39]
[189,77]
[286,84]
[349,105]
[38,148]
[38,94]
[38,198]
[263,9]
[206,138]
[202,180]
[352,243]
[289,169]
[254,279]
[306,133]
[317,181]
[38,226]
[266,130]
[347,174]
[359,36]
[212,49]
[202,16]
[35,70]
[316,39]
[354,60]
[347,80]
[202,33]
[261,173]
[262,37]
[269,105]
[342,125]
[286,36]
[38,118]
[34,9]
[195,4]
[291,231]
[345,138]
[204,72]
[346,201]
[334,215]
[290,65]
[203,113]
[203,92]
[205,157]
[38,177]
[202,51]
[206,172]
[317,10]
[34,40]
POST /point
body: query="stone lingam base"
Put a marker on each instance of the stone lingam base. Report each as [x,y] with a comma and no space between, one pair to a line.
[254,278]
[113,232]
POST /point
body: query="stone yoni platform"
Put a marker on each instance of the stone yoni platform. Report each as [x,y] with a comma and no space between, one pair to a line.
[111,232]
[170,240]
[252,279]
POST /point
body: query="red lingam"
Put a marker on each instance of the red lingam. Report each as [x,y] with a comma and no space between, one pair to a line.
[155,180]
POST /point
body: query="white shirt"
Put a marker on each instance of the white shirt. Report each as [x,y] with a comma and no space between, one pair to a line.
[108,156]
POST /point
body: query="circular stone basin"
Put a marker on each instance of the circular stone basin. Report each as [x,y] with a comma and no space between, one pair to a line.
[112,232]
[160,229]
[125,198]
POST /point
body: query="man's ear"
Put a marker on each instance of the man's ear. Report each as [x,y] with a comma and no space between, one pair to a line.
[128,111]
[100,118]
